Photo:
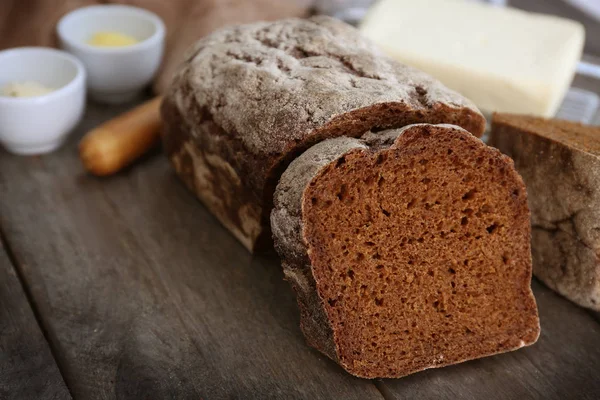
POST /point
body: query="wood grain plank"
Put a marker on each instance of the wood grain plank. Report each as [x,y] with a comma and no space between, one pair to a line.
[564,363]
[144,295]
[27,367]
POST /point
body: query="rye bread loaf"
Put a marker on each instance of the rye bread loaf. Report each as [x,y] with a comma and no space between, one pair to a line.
[248,99]
[408,249]
[560,164]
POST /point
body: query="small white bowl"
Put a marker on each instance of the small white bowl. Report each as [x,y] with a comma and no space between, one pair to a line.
[35,125]
[115,74]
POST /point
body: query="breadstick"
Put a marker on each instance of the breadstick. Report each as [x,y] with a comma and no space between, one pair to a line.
[118,142]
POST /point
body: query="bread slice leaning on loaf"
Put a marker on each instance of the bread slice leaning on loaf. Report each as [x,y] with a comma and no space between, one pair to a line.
[408,249]
[560,164]
[248,99]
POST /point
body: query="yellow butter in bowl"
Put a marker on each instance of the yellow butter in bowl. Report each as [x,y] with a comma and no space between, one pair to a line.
[111,39]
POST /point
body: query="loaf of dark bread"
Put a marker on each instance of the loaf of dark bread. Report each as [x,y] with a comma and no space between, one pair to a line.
[249,99]
[560,164]
[408,249]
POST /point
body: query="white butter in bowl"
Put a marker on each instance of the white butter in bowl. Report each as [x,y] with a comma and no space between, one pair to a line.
[42,98]
[503,59]
[25,89]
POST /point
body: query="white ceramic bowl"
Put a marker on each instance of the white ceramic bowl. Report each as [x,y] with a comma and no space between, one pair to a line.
[35,125]
[115,74]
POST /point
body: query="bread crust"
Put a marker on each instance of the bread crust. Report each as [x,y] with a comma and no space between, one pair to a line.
[248,99]
[563,183]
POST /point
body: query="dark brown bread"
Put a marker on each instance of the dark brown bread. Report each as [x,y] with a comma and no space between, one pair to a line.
[408,249]
[560,164]
[248,99]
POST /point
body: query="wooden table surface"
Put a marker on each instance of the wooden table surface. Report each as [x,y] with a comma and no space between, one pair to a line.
[127,288]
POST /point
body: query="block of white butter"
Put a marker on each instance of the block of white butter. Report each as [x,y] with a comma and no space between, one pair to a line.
[503,59]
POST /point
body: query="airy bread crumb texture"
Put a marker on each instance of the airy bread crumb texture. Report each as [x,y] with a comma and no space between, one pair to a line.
[416,242]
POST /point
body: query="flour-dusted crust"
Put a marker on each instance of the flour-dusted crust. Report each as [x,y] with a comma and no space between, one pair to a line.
[504,323]
[248,99]
[560,164]
[286,225]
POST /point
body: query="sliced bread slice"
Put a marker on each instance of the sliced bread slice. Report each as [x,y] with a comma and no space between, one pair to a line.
[408,249]
[560,164]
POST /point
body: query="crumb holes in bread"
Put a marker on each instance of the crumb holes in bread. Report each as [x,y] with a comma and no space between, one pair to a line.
[422,246]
